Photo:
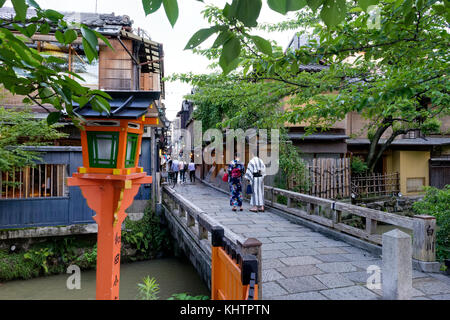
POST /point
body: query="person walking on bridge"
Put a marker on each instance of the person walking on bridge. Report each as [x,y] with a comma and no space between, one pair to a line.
[175,169]
[235,172]
[183,169]
[256,170]
[191,168]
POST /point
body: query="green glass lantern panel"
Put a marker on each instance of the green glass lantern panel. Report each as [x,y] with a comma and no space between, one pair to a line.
[132,140]
[103,149]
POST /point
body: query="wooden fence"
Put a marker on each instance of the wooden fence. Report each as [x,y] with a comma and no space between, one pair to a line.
[328,178]
[331,178]
[375,185]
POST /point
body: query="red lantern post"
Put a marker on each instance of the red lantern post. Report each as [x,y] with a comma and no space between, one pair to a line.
[110,177]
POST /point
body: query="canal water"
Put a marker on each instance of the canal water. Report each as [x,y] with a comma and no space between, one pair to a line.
[174,275]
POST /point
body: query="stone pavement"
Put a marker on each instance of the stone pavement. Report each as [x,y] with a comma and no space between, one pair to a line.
[301,264]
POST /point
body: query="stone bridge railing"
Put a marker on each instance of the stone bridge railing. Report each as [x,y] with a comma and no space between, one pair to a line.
[192,228]
[330,213]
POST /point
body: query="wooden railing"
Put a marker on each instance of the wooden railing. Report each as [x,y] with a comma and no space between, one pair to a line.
[233,276]
[332,213]
[201,229]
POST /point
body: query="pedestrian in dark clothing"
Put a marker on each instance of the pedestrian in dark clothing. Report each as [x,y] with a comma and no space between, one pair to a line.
[191,168]
[235,172]
[175,169]
[183,168]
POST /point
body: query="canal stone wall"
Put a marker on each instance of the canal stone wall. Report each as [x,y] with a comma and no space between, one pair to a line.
[198,255]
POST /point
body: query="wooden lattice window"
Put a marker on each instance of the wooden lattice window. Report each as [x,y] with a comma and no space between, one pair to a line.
[40,181]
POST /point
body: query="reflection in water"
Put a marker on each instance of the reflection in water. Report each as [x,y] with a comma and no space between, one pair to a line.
[173,276]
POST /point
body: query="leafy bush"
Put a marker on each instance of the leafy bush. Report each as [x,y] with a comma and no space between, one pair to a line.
[88,259]
[16,266]
[146,235]
[437,203]
[39,257]
[293,167]
[358,165]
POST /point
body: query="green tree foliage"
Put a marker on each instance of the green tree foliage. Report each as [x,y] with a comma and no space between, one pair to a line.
[437,203]
[18,129]
[25,71]
[395,76]
[240,16]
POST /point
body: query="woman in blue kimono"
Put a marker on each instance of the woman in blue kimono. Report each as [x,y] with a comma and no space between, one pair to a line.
[235,172]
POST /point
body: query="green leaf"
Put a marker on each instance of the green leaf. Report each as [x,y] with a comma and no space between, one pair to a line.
[53,15]
[229,11]
[284,6]
[20,7]
[59,36]
[103,38]
[200,36]
[231,50]
[90,53]
[171,8]
[44,28]
[31,29]
[2,2]
[333,12]
[100,104]
[248,11]
[223,37]
[53,118]
[364,4]
[151,6]
[314,4]
[70,35]
[90,37]
[263,45]
[410,17]
[33,4]
[229,59]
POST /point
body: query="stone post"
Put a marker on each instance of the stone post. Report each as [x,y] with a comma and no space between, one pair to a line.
[397,265]
[424,243]
[253,246]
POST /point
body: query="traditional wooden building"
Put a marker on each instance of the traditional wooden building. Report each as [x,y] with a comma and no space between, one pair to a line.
[41,197]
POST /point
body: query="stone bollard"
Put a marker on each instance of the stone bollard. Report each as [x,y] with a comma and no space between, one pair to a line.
[397,265]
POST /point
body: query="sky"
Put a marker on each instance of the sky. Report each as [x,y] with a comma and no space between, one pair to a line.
[176,60]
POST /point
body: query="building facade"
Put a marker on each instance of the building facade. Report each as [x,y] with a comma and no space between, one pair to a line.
[40,196]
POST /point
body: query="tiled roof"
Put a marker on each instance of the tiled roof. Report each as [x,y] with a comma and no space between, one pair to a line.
[124,105]
[88,18]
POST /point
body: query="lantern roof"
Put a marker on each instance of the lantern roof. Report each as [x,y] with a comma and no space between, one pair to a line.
[124,105]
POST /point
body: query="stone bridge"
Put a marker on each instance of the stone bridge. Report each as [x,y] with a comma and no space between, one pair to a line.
[304,249]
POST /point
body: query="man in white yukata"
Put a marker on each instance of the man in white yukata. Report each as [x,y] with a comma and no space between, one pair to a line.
[256,171]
